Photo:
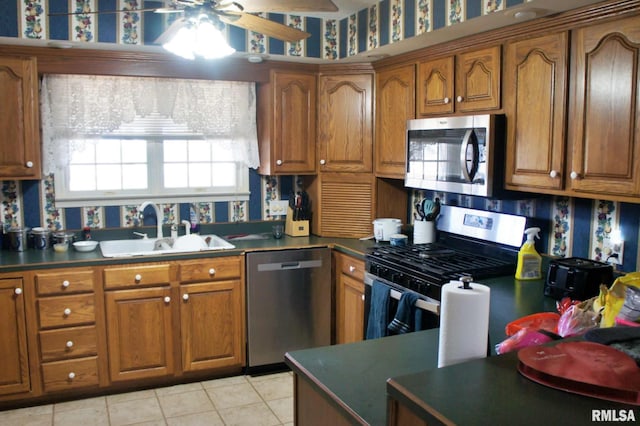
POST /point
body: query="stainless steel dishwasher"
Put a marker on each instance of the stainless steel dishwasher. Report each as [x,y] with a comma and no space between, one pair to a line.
[288,303]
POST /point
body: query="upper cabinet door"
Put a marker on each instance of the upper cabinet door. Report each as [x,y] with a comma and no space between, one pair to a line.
[435,86]
[19,119]
[345,117]
[536,84]
[466,82]
[478,80]
[287,124]
[395,104]
[605,123]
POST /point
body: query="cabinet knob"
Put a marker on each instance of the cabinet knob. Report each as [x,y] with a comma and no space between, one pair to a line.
[352,268]
[18,291]
[65,283]
[323,162]
[72,375]
[138,278]
[29,164]
[185,297]
[279,162]
[363,297]
[446,100]
[459,99]
[69,344]
[553,174]
[574,175]
[167,299]
[67,312]
[212,271]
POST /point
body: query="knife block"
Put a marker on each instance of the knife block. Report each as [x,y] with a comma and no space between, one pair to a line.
[295,228]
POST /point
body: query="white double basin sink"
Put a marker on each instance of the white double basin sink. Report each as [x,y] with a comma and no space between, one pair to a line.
[158,246]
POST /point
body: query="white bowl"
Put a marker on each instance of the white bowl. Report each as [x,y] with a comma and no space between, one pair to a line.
[85,245]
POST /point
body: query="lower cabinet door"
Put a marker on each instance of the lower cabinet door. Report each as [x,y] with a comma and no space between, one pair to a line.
[351,310]
[14,363]
[139,333]
[212,325]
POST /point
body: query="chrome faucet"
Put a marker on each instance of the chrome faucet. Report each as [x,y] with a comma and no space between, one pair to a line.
[159,215]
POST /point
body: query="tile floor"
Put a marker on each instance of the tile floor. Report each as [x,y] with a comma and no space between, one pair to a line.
[240,400]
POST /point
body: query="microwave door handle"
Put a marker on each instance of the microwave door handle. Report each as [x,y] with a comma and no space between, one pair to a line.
[469,140]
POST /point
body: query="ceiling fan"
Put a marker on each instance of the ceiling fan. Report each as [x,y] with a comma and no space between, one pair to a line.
[222,12]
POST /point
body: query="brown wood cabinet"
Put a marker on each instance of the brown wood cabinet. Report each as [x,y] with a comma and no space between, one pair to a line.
[349,298]
[395,104]
[604,130]
[466,82]
[67,329]
[286,119]
[19,119]
[211,314]
[343,204]
[535,104]
[14,368]
[345,117]
[140,334]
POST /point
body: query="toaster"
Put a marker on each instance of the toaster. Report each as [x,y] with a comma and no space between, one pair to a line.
[576,278]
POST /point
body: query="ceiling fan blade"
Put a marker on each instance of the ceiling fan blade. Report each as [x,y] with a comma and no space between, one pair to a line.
[288,6]
[263,26]
[170,32]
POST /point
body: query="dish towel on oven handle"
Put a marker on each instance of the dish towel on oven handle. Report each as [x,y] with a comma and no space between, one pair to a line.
[406,319]
[378,311]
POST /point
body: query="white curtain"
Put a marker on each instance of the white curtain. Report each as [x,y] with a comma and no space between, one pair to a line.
[75,106]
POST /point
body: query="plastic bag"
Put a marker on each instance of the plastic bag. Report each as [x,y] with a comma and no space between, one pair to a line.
[523,338]
[611,300]
[578,319]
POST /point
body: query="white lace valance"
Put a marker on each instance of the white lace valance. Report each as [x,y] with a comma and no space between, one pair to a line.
[77,106]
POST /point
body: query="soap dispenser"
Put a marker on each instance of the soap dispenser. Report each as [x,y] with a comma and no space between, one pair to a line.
[529,261]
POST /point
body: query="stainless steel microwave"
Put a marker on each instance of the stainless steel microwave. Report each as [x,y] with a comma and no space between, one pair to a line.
[461,154]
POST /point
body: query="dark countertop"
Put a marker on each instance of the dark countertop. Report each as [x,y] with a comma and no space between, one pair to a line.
[356,373]
[41,259]
[492,391]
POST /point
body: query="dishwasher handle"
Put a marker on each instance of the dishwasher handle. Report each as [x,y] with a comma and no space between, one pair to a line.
[280,266]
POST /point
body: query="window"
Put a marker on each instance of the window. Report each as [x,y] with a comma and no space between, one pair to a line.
[199,152]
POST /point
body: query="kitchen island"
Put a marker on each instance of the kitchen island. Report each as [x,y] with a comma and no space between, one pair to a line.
[347,384]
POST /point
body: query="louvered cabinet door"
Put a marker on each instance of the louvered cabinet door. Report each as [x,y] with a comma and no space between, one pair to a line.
[345,204]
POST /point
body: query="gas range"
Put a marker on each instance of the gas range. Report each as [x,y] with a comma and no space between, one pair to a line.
[470,242]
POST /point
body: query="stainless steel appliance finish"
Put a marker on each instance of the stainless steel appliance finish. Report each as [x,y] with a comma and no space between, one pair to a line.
[288,303]
[456,154]
[470,242]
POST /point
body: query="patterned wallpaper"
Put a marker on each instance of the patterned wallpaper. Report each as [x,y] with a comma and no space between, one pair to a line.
[386,22]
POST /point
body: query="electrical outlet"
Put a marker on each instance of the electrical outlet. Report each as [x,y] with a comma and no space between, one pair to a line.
[613,251]
[278,207]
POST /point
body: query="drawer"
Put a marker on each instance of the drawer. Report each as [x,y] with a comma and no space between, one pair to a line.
[68,343]
[219,268]
[136,276]
[353,267]
[64,282]
[71,374]
[66,311]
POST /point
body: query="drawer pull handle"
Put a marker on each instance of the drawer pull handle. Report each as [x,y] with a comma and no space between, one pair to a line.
[69,344]
[138,278]
[72,375]
[66,283]
[352,268]
[212,271]
[18,291]
[29,164]
[279,162]
[185,297]
[67,312]
[167,299]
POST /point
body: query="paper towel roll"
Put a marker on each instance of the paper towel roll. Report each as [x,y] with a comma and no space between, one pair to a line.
[464,323]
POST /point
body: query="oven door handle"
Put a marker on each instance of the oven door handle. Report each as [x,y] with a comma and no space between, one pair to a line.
[425,305]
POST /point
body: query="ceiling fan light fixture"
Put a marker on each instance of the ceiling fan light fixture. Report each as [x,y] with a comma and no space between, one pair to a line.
[199,37]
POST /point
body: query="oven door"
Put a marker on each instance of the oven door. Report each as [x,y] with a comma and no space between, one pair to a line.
[430,308]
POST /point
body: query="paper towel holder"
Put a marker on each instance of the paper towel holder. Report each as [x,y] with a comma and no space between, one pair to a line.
[466,280]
